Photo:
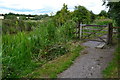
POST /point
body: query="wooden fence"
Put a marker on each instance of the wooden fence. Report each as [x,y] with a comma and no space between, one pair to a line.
[96,28]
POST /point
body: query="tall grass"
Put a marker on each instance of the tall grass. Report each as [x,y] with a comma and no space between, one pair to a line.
[23,52]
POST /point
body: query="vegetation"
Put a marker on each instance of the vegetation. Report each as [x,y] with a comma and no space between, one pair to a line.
[58,65]
[62,16]
[16,26]
[13,16]
[23,52]
[103,14]
[92,16]
[81,14]
[112,71]
[28,45]
[115,13]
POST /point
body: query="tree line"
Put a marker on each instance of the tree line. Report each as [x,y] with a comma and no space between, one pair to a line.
[24,16]
[80,14]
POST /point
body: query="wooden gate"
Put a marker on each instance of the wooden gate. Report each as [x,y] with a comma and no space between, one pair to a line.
[101,33]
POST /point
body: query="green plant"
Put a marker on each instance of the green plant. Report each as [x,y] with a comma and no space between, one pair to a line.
[52,68]
[23,52]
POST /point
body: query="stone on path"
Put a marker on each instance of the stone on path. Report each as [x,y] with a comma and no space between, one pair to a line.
[101,45]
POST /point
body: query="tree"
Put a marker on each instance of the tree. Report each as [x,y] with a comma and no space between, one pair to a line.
[92,16]
[12,17]
[62,16]
[103,13]
[81,14]
[114,10]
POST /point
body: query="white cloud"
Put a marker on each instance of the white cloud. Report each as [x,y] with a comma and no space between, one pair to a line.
[50,5]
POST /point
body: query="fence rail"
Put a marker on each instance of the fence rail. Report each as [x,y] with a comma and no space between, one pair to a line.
[90,31]
[95,25]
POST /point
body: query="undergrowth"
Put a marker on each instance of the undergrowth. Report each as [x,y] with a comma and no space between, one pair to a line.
[52,68]
[23,52]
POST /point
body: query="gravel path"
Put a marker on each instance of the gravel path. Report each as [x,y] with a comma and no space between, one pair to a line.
[91,64]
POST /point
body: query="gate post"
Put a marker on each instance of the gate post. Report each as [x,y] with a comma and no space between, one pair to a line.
[81,31]
[110,33]
[78,30]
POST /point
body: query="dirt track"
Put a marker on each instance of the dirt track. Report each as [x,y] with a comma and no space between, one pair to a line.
[91,63]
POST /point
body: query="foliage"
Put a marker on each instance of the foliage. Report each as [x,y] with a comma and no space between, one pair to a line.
[58,65]
[13,17]
[81,14]
[23,52]
[114,10]
[112,71]
[62,16]
[15,26]
[103,13]
[92,16]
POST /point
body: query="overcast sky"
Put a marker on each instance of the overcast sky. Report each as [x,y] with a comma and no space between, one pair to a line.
[47,6]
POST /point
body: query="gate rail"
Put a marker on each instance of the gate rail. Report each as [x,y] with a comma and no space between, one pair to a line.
[79,31]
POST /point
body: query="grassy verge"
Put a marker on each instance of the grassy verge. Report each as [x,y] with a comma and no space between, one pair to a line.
[112,71]
[52,68]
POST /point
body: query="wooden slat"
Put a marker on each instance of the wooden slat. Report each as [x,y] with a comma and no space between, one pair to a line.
[97,25]
[91,34]
[115,27]
[91,29]
[93,40]
[92,26]
[88,32]
[105,30]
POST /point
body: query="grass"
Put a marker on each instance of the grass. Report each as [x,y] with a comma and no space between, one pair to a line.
[23,52]
[112,71]
[52,68]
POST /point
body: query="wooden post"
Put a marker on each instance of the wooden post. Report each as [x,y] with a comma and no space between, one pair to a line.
[81,31]
[110,33]
[78,29]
